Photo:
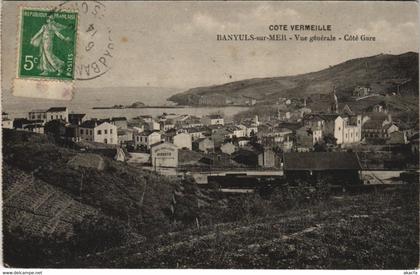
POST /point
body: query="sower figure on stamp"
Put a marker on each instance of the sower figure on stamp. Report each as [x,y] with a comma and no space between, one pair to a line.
[48,62]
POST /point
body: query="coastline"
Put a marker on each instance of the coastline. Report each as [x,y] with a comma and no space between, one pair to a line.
[166,107]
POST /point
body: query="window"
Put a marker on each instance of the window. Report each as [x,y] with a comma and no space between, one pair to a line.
[90,132]
[61,116]
[81,131]
[110,131]
[105,132]
[52,117]
[56,116]
[99,132]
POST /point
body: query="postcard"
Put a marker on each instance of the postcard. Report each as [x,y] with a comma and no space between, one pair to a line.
[210,135]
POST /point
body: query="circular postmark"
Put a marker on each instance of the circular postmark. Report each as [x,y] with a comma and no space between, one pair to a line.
[95,49]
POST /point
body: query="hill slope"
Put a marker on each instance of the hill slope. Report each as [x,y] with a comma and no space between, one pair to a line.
[55,203]
[349,232]
[60,203]
[383,73]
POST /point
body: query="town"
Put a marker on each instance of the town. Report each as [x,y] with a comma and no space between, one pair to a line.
[294,140]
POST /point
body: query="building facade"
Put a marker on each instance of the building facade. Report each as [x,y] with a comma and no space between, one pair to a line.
[98,131]
[57,113]
[38,115]
[182,140]
[164,155]
[213,120]
[147,139]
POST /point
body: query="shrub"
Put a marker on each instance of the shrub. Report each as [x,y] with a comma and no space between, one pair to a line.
[96,233]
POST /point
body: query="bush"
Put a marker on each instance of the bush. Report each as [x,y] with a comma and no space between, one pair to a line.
[95,233]
[22,249]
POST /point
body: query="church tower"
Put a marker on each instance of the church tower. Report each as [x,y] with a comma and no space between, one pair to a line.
[334,102]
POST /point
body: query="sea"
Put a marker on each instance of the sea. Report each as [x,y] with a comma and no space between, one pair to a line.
[86,98]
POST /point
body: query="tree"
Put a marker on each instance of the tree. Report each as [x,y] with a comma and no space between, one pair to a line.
[253,138]
[320,147]
[95,233]
[235,140]
[55,128]
[330,139]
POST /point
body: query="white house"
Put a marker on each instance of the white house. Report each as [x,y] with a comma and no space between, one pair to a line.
[125,136]
[146,118]
[120,122]
[38,115]
[196,132]
[138,129]
[164,155]
[183,140]
[236,131]
[204,145]
[35,128]
[213,120]
[57,113]
[147,139]
[167,125]
[153,125]
[243,141]
[346,129]
[6,122]
[98,131]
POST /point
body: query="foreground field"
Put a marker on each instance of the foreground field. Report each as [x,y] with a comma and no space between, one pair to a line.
[378,230]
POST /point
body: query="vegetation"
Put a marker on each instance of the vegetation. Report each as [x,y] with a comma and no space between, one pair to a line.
[377,230]
[57,214]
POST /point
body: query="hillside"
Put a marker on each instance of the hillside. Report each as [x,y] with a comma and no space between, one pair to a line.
[349,232]
[57,200]
[66,208]
[383,73]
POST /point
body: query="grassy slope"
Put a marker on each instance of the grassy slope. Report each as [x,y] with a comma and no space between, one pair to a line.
[374,231]
[49,197]
[53,208]
[381,72]
[38,207]
[116,191]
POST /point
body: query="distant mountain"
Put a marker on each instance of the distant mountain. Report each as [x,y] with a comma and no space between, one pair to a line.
[384,73]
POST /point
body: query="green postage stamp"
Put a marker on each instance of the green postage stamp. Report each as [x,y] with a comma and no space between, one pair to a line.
[47,44]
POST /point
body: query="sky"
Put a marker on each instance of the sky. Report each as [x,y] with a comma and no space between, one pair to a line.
[167,44]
